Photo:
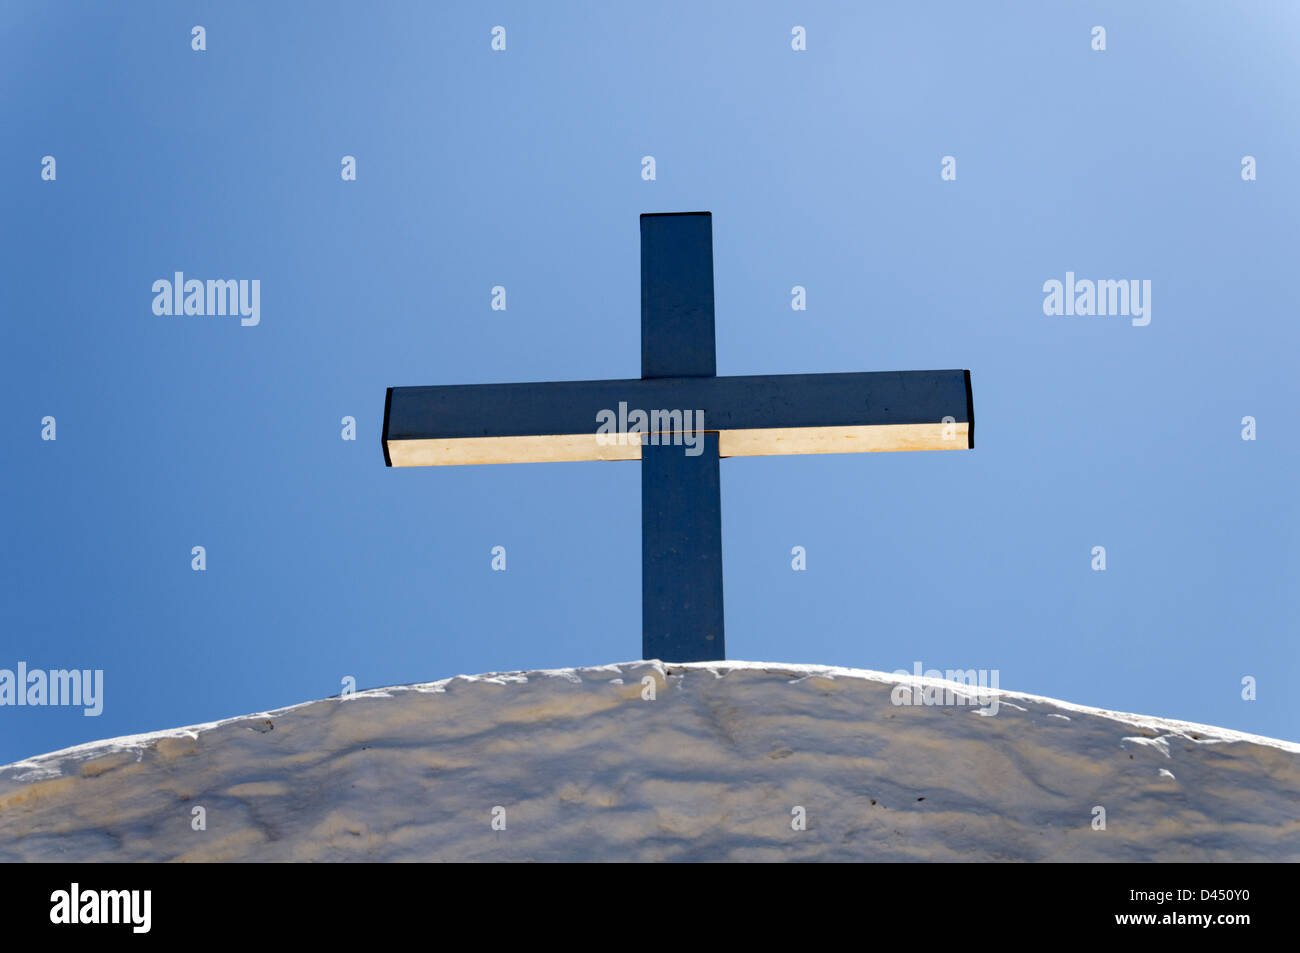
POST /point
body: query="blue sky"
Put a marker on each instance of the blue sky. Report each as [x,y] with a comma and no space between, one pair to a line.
[523,168]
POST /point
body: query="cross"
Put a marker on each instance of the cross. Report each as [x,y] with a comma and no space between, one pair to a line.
[681,507]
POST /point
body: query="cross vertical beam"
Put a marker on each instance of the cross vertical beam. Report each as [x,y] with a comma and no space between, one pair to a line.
[681,498]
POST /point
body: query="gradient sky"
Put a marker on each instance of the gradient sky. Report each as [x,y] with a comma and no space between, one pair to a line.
[522,168]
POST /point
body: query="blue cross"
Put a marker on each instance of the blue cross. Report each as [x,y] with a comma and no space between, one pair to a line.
[681,506]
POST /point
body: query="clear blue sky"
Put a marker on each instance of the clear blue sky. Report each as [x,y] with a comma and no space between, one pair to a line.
[522,168]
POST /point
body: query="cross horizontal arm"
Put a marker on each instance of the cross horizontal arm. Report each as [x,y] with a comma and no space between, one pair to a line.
[753,416]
